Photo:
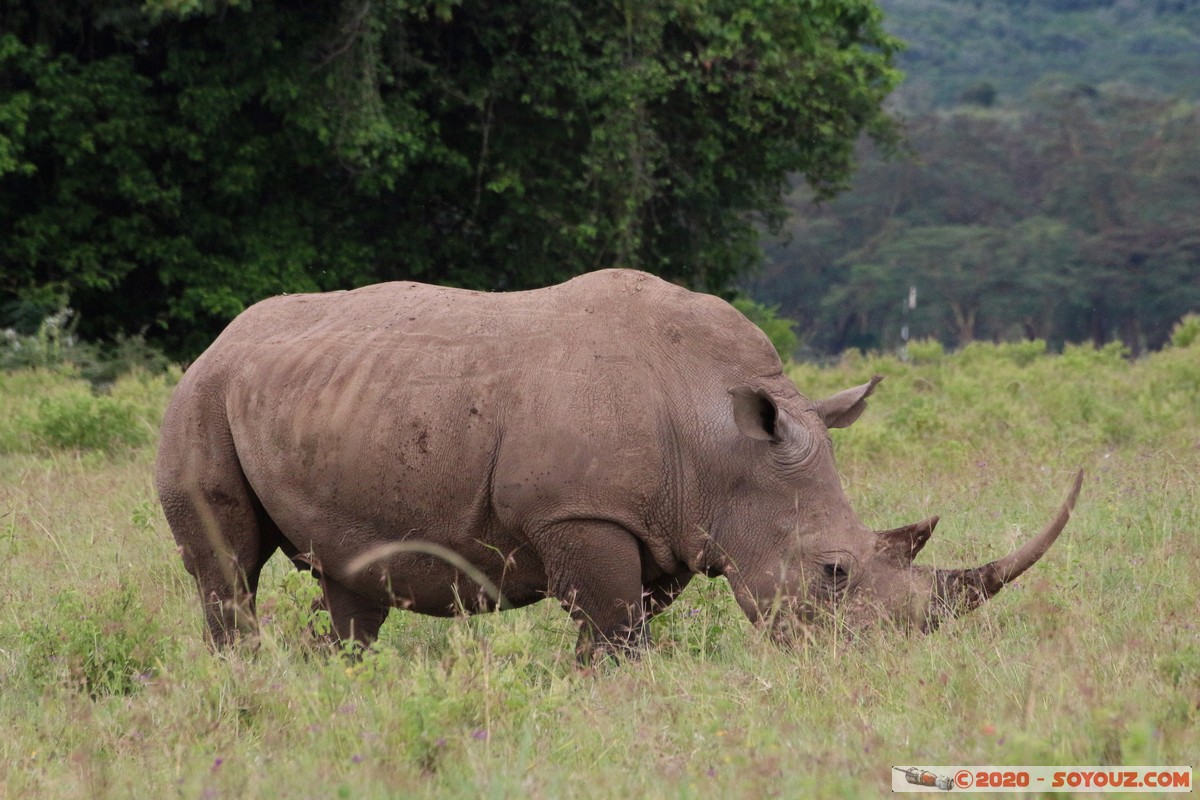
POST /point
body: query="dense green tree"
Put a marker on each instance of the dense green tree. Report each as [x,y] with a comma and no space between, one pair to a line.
[167,163]
[997,50]
[1053,192]
[1067,219]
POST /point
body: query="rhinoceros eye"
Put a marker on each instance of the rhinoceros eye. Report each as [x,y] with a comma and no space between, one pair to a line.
[837,575]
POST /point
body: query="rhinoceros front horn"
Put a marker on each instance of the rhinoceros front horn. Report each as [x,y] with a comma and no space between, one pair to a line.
[957,591]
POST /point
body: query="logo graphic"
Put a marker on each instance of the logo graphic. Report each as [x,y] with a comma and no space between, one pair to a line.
[923,777]
[1010,779]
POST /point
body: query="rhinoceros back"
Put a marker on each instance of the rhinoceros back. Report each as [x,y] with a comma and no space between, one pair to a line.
[402,410]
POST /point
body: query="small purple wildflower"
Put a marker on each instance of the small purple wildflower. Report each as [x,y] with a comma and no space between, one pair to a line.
[356,758]
[480,735]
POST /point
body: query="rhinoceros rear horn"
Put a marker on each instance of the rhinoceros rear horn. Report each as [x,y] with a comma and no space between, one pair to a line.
[904,543]
[957,591]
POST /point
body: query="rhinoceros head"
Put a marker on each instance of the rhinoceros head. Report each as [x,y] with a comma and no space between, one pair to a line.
[817,560]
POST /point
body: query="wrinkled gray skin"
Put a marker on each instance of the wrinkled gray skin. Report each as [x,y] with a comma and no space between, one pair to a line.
[599,442]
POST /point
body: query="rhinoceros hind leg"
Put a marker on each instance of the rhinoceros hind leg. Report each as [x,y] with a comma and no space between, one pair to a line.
[594,569]
[215,520]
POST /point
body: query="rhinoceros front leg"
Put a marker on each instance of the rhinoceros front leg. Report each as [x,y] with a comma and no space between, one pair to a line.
[594,569]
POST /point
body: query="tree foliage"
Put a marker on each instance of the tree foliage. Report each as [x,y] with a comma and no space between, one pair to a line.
[1066,219]
[1052,195]
[165,164]
[972,50]
[780,330]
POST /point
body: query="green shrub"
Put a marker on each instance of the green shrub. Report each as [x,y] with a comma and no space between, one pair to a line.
[1023,352]
[1187,331]
[146,393]
[44,410]
[55,347]
[54,344]
[293,615]
[925,351]
[126,355]
[101,645]
[87,422]
[1087,355]
[780,330]
[702,624]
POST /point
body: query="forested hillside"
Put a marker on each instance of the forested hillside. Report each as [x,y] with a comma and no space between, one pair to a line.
[165,163]
[1052,191]
[957,49]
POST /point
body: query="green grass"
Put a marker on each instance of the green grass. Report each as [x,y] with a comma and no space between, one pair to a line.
[1093,657]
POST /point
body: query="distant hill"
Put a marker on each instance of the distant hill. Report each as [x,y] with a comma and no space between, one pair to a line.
[966,49]
[1052,192]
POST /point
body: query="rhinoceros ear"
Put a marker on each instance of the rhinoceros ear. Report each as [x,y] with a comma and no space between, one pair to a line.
[840,410]
[755,413]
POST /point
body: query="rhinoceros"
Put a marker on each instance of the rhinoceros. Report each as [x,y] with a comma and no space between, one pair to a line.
[598,442]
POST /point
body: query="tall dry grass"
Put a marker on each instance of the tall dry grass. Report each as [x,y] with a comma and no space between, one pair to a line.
[1093,657]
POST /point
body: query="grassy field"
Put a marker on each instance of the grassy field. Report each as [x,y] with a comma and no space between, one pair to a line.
[1093,657]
